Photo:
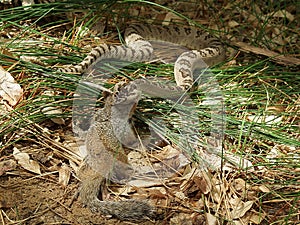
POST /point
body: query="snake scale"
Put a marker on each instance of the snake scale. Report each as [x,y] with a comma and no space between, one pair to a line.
[204,47]
[101,141]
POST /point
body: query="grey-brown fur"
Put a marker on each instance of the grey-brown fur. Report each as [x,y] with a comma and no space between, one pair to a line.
[106,157]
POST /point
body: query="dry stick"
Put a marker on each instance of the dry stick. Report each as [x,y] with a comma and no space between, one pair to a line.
[280,59]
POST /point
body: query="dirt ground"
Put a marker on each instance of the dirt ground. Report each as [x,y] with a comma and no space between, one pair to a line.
[42,201]
[34,201]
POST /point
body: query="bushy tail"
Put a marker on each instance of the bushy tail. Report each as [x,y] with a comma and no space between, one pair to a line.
[132,210]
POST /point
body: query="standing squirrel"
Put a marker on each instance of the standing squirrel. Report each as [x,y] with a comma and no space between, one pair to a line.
[106,156]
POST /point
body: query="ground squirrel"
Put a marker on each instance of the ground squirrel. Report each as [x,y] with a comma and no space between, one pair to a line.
[106,157]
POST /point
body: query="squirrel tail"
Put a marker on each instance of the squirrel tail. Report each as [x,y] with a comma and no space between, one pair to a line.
[132,210]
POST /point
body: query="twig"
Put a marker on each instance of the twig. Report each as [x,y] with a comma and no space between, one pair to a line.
[280,59]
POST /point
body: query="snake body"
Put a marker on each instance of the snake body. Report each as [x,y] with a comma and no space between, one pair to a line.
[204,48]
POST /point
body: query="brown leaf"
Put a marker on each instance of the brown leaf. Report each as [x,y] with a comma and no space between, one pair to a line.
[25,161]
[10,91]
[7,165]
[203,183]
[211,219]
[241,208]
[64,175]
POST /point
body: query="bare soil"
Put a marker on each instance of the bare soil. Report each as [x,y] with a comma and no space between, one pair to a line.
[43,201]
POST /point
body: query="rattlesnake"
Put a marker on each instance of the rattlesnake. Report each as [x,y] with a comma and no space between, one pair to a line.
[102,142]
[205,47]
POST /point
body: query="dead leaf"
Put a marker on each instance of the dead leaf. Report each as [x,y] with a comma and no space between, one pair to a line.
[241,208]
[7,165]
[27,2]
[257,217]
[217,192]
[181,218]
[180,195]
[203,182]
[64,175]
[145,183]
[237,222]
[233,23]
[25,161]
[10,91]
[211,219]
[282,14]
[158,192]
[264,189]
